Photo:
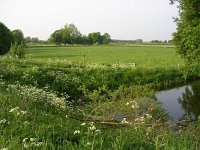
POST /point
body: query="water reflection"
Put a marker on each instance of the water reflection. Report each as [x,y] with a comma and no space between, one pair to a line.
[181,102]
[190,100]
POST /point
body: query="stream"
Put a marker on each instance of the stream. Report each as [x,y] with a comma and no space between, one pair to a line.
[181,102]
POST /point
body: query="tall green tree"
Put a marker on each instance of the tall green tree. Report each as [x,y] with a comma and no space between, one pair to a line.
[5,39]
[106,38]
[70,34]
[27,39]
[95,38]
[187,36]
[56,37]
[18,37]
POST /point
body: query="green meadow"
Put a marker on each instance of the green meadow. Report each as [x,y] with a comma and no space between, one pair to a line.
[142,56]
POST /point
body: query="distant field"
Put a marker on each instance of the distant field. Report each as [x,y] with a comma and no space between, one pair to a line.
[143,56]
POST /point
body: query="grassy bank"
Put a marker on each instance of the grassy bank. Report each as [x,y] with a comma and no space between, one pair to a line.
[33,118]
[76,80]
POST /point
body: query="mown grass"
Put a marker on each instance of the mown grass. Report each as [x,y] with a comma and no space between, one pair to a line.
[143,56]
[58,104]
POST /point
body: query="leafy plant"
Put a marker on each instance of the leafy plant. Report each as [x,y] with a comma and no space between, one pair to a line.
[17,51]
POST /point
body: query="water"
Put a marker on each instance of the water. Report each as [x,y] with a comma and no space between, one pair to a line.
[181,102]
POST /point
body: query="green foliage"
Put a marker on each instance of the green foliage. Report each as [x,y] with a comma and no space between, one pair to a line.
[56,37]
[69,34]
[76,80]
[18,37]
[106,38]
[5,39]
[17,51]
[51,103]
[31,118]
[35,40]
[97,38]
[187,36]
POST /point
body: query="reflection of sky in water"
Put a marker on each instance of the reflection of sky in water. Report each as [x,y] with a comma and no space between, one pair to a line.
[169,100]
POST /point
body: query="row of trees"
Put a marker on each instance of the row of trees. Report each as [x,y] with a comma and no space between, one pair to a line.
[34,40]
[69,34]
[161,42]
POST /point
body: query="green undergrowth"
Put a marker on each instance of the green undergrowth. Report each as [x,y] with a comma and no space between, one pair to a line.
[76,80]
[71,106]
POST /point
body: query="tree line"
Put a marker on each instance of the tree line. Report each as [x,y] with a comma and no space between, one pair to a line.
[69,34]
[34,40]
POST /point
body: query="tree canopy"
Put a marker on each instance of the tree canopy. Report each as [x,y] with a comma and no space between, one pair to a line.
[5,39]
[69,34]
[187,36]
[18,37]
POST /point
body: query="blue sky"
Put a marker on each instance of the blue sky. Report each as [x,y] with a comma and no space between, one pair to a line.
[122,19]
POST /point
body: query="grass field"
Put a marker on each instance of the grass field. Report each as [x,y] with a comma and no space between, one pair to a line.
[143,56]
[52,101]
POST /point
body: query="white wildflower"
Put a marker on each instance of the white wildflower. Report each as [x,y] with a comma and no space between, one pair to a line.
[88,144]
[124,121]
[83,124]
[39,144]
[149,116]
[142,119]
[24,112]
[3,121]
[26,123]
[66,116]
[26,145]
[92,128]
[24,140]
[77,132]
[97,131]
[134,105]
[14,109]
[91,123]
[32,139]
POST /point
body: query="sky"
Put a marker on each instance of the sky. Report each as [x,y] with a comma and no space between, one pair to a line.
[122,19]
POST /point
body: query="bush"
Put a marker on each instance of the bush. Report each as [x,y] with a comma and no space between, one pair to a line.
[5,39]
[17,51]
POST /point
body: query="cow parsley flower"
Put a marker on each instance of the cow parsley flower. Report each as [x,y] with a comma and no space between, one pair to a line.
[92,128]
[3,121]
[83,124]
[77,132]
[124,121]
